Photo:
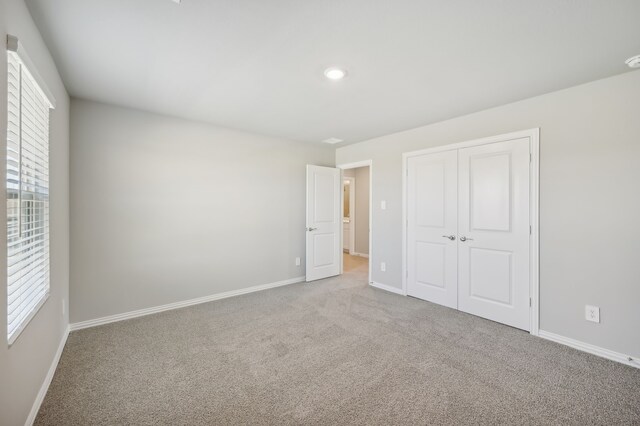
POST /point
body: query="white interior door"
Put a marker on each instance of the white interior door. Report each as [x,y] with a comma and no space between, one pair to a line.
[493,231]
[324,220]
[432,224]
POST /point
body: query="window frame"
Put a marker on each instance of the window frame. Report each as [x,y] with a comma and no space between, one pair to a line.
[16,52]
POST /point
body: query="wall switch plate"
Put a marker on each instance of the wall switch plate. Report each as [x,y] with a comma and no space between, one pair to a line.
[297,261]
[383,205]
[383,266]
[592,313]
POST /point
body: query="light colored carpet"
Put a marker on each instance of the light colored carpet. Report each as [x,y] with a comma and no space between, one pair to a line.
[332,352]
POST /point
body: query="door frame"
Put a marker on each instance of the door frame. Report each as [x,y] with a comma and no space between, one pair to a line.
[352,211]
[534,209]
[355,165]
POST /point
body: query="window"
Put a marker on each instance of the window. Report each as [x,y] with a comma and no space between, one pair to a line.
[27,189]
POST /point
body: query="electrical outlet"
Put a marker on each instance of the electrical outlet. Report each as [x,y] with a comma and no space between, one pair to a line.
[383,266]
[297,261]
[592,313]
[383,205]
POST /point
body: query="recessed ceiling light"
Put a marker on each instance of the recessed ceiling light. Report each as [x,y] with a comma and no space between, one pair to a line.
[335,74]
[332,140]
[633,62]
[177,1]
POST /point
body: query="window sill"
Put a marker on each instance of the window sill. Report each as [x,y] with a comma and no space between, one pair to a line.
[27,320]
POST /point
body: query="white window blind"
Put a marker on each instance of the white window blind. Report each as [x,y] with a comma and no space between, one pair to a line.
[27,189]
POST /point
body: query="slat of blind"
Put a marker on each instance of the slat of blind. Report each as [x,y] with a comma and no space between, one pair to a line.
[32,281]
[30,278]
[23,279]
[19,265]
[27,189]
[27,276]
[23,298]
[33,278]
[19,317]
[16,263]
[25,304]
[22,250]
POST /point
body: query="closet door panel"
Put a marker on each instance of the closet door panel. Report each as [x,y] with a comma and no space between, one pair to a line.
[431,228]
[493,230]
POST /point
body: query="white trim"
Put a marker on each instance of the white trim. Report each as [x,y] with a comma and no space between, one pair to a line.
[589,348]
[534,206]
[388,288]
[355,165]
[405,212]
[47,380]
[474,142]
[25,322]
[341,225]
[15,46]
[359,254]
[534,238]
[183,304]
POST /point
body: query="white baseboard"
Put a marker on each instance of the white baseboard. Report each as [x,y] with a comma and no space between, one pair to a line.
[177,305]
[359,254]
[589,348]
[388,288]
[47,380]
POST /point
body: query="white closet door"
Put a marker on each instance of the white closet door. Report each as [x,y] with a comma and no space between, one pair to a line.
[493,231]
[432,223]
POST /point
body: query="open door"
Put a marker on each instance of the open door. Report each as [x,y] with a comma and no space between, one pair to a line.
[324,220]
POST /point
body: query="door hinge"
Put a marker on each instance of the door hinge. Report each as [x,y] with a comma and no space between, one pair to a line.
[530,230]
[530,302]
[531,158]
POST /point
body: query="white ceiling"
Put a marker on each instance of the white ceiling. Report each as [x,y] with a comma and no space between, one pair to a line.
[257,65]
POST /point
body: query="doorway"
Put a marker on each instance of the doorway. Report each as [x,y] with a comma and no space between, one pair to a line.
[356,226]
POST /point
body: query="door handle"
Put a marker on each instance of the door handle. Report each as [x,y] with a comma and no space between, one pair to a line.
[451,237]
[463,239]
[311,229]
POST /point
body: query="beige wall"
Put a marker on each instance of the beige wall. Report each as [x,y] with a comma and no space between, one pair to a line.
[362,210]
[24,365]
[352,174]
[165,210]
[589,201]
[349,172]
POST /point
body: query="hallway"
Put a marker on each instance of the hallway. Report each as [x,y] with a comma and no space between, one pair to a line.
[355,264]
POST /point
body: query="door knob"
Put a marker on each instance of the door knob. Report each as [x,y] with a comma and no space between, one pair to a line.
[311,229]
[451,237]
[463,239]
